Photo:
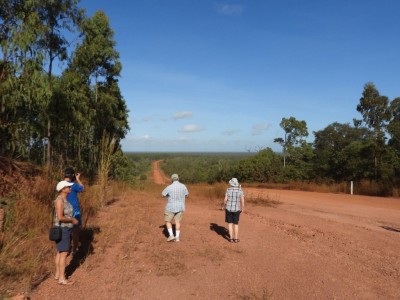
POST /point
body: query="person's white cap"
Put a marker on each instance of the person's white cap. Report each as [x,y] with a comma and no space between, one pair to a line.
[174,177]
[63,184]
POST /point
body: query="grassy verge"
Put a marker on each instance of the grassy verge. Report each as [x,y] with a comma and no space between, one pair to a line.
[26,254]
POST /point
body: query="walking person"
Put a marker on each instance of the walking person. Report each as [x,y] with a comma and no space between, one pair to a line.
[63,217]
[234,205]
[72,198]
[176,194]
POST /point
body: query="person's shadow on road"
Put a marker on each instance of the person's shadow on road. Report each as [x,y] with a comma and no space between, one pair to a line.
[86,238]
[165,230]
[220,230]
[391,228]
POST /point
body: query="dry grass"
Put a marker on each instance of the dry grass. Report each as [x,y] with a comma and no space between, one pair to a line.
[216,193]
[306,186]
[107,145]
[24,246]
[212,192]
[264,199]
[369,188]
[26,254]
[372,188]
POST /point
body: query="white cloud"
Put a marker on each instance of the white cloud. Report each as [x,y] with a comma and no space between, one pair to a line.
[182,115]
[230,9]
[258,129]
[191,128]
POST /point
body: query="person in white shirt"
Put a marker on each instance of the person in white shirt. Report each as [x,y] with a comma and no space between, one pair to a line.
[176,194]
[234,205]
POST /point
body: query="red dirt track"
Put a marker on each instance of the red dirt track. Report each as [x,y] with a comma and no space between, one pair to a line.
[158,176]
[310,246]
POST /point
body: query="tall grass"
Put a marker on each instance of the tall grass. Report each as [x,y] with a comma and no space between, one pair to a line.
[368,188]
[263,199]
[214,192]
[107,147]
[26,254]
[305,186]
[24,245]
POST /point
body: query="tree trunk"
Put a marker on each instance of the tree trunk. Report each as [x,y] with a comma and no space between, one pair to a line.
[48,160]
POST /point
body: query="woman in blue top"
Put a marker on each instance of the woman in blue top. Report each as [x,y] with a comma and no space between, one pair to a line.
[72,198]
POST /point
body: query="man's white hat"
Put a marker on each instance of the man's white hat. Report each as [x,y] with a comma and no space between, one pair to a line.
[234,182]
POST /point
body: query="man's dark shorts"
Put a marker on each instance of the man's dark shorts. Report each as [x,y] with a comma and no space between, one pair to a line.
[232,217]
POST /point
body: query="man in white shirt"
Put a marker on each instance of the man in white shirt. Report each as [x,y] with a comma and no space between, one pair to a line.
[176,194]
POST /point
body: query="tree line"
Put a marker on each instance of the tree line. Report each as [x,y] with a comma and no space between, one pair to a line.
[60,104]
[368,149]
[60,100]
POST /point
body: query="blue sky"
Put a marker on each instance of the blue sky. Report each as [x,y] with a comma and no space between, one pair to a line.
[205,75]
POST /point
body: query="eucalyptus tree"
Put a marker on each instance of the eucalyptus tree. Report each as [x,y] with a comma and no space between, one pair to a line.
[57,19]
[295,132]
[76,92]
[97,62]
[21,80]
[375,112]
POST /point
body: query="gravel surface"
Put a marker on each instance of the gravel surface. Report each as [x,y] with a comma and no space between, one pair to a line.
[297,245]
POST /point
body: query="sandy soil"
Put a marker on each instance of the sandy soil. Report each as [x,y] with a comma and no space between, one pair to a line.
[304,246]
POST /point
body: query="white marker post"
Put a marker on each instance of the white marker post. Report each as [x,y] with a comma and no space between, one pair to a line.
[351,187]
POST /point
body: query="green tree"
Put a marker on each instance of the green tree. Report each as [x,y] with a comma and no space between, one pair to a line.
[265,166]
[57,18]
[375,111]
[394,124]
[96,62]
[295,132]
[21,80]
[329,144]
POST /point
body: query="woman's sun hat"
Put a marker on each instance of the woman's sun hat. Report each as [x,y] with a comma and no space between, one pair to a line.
[63,184]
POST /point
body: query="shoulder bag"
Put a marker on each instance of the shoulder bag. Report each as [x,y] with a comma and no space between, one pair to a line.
[55,231]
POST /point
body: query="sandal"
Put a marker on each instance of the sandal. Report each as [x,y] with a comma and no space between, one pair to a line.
[236,240]
[66,282]
[231,240]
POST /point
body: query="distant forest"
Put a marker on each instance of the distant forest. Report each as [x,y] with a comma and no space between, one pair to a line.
[366,150]
[61,105]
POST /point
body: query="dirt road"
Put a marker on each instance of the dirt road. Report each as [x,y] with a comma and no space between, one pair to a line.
[309,246]
[158,176]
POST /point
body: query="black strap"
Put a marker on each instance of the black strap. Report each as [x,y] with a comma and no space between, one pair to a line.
[53,215]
